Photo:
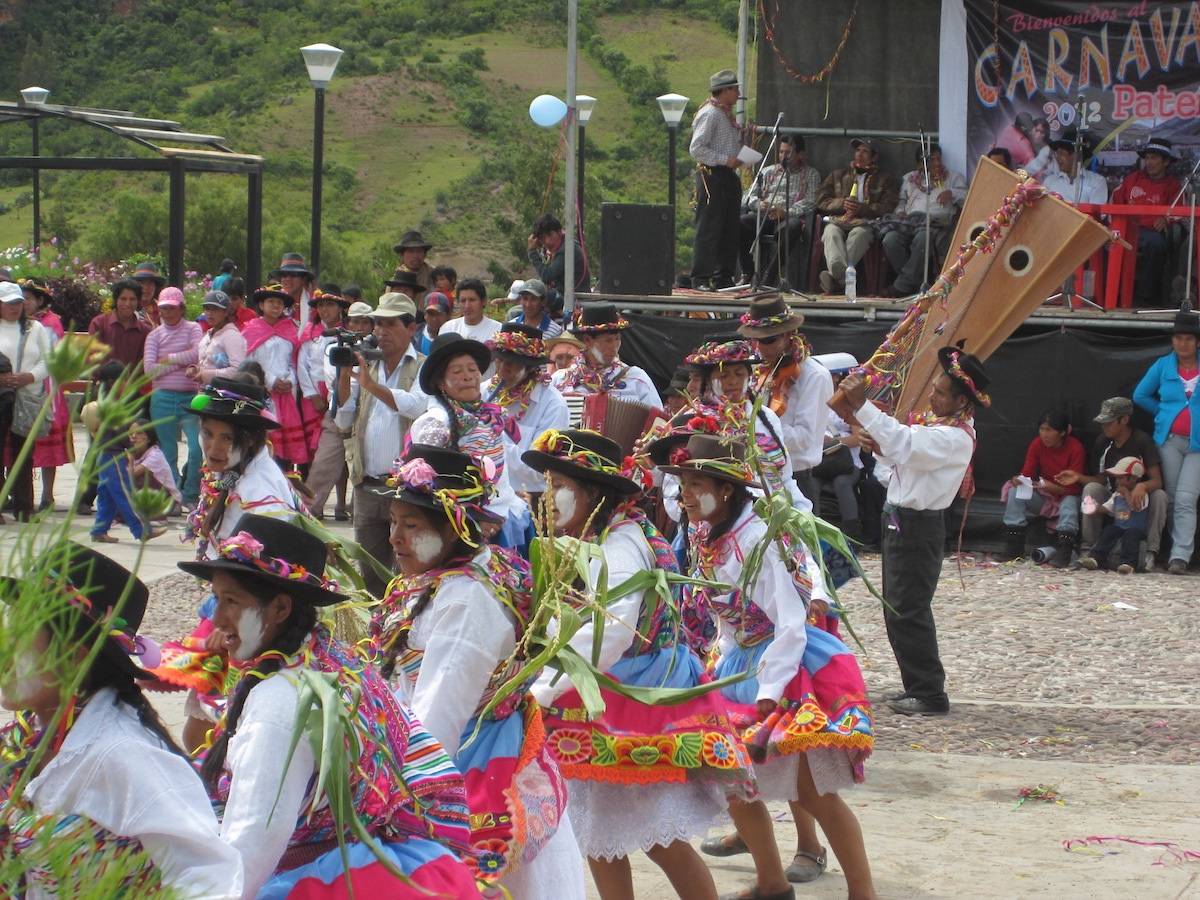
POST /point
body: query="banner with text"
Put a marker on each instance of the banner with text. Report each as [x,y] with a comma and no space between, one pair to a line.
[1042,69]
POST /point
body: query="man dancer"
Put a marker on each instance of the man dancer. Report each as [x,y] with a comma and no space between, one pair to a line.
[599,369]
[929,460]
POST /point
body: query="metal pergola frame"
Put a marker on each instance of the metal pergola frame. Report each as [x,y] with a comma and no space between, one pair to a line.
[208,153]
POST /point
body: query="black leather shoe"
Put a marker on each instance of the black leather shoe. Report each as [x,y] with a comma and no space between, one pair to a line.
[915,706]
[896,695]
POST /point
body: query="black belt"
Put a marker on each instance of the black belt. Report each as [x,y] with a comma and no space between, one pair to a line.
[905,513]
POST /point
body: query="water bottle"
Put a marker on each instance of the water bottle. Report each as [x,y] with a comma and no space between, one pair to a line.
[851,284]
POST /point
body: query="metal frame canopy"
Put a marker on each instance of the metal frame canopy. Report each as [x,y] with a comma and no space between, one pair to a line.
[199,153]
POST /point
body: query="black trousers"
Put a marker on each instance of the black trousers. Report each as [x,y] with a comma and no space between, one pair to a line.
[913,543]
[718,225]
[1130,540]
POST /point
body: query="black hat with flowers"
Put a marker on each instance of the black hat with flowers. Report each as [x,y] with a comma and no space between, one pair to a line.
[276,553]
[231,400]
[968,371]
[598,318]
[102,597]
[445,481]
[271,290]
[709,454]
[519,343]
[581,454]
[37,286]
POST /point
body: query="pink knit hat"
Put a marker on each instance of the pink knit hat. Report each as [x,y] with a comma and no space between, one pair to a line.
[171,296]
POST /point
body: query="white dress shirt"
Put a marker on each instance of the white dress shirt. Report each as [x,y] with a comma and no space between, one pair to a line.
[626,552]
[114,771]
[254,824]
[1091,186]
[383,439]
[311,365]
[465,633]
[264,489]
[775,592]
[276,355]
[547,409]
[806,415]
[927,462]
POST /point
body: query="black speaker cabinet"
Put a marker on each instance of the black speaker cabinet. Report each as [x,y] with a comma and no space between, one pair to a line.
[638,255]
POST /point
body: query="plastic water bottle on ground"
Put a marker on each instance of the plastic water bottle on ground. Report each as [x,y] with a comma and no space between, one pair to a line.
[851,284]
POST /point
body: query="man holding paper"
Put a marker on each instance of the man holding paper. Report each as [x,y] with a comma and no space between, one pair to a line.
[851,198]
[718,151]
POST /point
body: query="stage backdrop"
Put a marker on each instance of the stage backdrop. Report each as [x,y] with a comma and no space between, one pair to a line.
[1039,368]
[1036,69]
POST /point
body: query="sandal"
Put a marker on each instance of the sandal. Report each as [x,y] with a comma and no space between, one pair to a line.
[807,867]
[725,845]
[753,893]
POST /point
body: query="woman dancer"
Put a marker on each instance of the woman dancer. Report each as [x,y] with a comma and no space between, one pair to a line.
[448,631]
[459,419]
[109,775]
[57,448]
[272,341]
[239,475]
[268,577]
[642,778]
[804,712]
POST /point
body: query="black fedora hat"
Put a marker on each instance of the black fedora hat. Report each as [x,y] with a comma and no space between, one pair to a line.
[1186,322]
[708,454]
[597,318]
[968,371]
[292,264]
[443,480]
[271,290]
[277,553]
[444,348]
[519,343]
[94,585]
[412,240]
[769,316]
[148,271]
[403,278]
[230,400]
[581,454]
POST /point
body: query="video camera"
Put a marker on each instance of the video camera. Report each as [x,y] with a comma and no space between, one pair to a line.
[341,354]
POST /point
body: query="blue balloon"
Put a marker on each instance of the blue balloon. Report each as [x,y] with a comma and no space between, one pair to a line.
[547,110]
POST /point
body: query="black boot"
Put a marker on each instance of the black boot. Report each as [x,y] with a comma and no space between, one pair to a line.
[1014,543]
[1064,547]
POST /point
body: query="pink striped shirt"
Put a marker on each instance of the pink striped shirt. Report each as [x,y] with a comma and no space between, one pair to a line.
[167,355]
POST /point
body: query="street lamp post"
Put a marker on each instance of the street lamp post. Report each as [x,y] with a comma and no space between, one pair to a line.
[321,60]
[672,107]
[36,96]
[583,110]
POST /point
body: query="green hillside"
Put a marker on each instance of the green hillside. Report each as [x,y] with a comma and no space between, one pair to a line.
[426,119]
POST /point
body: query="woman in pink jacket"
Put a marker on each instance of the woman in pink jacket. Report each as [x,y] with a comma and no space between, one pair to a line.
[222,349]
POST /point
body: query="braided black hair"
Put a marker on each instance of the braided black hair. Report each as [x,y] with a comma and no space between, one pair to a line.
[297,627]
[455,432]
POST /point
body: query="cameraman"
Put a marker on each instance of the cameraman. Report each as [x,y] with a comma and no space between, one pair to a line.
[377,410]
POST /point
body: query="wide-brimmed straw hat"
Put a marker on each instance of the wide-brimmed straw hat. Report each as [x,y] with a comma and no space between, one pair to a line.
[237,402]
[277,553]
[519,343]
[583,455]
[708,454]
[769,316]
[444,348]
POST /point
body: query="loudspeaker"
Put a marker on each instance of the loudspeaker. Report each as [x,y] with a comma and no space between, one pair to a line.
[638,248]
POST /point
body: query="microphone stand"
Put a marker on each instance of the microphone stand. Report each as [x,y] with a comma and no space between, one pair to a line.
[758,216]
[925,149]
[1189,185]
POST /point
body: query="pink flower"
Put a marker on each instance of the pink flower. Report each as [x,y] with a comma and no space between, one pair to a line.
[417,473]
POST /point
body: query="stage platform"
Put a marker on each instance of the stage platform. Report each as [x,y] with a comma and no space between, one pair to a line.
[832,309]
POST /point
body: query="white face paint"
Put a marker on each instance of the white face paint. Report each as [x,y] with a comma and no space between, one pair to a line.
[595,354]
[564,506]
[428,546]
[708,504]
[250,629]
[27,679]
[235,457]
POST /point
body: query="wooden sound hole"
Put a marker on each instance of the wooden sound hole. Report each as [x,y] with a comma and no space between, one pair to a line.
[976,231]
[1019,261]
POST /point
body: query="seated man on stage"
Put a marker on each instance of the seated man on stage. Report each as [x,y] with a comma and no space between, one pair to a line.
[904,241]
[851,198]
[599,368]
[787,190]
[1159,238]
[1072,181]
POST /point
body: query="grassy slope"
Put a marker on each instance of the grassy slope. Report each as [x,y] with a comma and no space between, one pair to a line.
[401,139]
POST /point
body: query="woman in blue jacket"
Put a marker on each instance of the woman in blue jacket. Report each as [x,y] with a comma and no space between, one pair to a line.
[1168,390]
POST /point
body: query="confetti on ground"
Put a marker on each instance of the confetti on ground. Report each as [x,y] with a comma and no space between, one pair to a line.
[1042,792]
[1171,852]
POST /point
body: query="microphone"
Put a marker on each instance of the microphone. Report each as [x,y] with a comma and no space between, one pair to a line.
[1081,112]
